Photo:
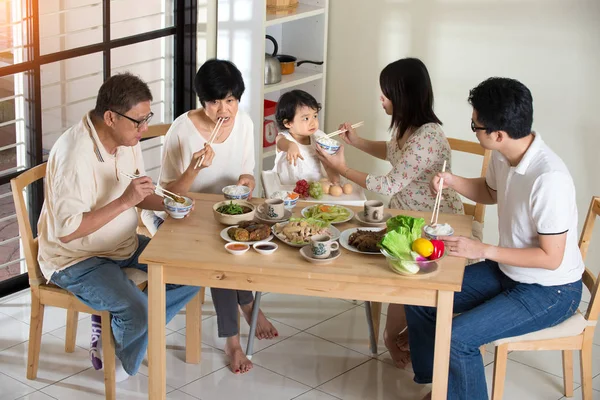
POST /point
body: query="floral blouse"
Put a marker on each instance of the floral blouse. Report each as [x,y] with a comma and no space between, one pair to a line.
[413,167]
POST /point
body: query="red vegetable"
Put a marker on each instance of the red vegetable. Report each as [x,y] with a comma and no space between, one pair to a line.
[438,249]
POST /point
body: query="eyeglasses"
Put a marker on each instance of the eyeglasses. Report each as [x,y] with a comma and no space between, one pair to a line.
[477,128]
[137,123]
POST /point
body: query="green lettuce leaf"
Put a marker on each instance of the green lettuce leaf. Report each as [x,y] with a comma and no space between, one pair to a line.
[407,225]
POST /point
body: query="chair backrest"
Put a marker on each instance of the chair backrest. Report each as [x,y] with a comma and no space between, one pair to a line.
[589,280]
[30,244]
[156,130]
[476,210]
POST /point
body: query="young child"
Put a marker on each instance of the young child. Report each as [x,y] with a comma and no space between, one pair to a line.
[297,117]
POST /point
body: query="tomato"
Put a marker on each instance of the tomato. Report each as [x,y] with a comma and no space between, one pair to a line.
[423,247]
[438,249]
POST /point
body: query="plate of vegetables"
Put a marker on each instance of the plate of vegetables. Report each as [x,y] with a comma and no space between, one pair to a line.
[328,213]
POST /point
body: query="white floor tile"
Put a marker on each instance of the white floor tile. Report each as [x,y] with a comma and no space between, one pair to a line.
[316,395]
[523,382]
[178,322]
[89,384]
[12,332]
[302,312]
[596,383]
[36,396]
[179,373]
[308,359]
[578,395]
[349,329]
[258,384]
[54,364]
[11,389]
[177,395]
[375,380]
[210,335]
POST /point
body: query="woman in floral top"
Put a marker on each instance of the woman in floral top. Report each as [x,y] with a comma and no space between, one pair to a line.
[417,152]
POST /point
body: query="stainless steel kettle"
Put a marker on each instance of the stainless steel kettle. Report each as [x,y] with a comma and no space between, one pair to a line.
[272,64]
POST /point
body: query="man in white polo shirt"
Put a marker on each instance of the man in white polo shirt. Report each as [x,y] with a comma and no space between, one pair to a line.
[87,227]
[532,279]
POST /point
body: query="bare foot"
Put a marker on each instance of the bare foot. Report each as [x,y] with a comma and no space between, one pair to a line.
[264,329]
[238,362]
[400,357]
[402,340]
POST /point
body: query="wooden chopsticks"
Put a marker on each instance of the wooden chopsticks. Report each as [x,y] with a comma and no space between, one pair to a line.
[356,125]
[438,200]
[213,135]
[159,191]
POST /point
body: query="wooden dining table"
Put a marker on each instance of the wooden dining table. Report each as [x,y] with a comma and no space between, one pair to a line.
[190,251]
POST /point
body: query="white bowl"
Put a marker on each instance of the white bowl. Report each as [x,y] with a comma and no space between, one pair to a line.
[428,232]
[288,202]
[243,194]
[177,210]
[273,247]
[330,148]
[230,250]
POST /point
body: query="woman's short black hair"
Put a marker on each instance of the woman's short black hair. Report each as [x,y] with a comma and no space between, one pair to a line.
[217,79]
[288,105]
[407,84]
[503,104]
[121,93]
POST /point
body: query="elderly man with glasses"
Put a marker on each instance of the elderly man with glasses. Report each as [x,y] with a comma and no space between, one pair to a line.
[87,227]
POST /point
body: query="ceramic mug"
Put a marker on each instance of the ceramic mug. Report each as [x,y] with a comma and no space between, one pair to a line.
[321,246]
[272,209]
[373,210]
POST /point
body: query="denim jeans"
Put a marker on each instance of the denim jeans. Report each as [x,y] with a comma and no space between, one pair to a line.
[491,306]
[101,284]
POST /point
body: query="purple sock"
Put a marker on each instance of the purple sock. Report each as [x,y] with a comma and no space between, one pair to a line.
[95,340]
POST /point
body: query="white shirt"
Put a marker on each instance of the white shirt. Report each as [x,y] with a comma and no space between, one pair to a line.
[81,177]
[310,168]
[537,197]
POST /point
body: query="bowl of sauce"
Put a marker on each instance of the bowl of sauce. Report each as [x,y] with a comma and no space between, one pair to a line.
[236,248]
[265,248]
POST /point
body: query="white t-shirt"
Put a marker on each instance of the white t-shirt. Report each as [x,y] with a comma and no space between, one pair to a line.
[537,197]
[310,168]
[81,177]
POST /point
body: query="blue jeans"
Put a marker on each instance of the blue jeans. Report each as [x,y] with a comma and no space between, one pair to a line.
[491,306]
[99,283]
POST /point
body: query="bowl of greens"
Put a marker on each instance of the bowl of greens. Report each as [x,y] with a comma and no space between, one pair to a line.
[232,212]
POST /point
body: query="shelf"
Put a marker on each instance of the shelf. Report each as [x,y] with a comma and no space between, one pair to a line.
[299,77]
[303,11]
[269,151]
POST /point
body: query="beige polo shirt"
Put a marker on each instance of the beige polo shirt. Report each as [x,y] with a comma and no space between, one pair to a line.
[82,176]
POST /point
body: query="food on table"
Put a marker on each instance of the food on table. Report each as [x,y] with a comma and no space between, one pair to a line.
[178,201]
[335,191]
[315,190]
[265,247]
[237,246]
[439,230]
[438,249]
[422,247]
[325,185]
[347,188]
[302,188]
[249,231]
[366,241]
[402,231]
[328,213]
[233,209]
[300,230]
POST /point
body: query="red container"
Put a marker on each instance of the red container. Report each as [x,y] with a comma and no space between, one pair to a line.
[270,107]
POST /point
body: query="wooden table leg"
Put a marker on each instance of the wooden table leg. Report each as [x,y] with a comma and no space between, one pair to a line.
[157,363]
[193,330]
[443,334]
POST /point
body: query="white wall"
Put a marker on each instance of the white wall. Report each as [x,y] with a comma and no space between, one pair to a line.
[552,46]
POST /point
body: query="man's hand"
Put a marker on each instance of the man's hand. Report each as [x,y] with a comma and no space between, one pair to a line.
[434,185]
[460,246]
[247,180]
[293,154]
[137,191]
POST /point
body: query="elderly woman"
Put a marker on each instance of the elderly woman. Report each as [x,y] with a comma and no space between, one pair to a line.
[219,86]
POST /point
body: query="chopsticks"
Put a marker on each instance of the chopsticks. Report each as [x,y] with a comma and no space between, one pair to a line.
[159,191]
[213,135]
[438,200]
[356,125]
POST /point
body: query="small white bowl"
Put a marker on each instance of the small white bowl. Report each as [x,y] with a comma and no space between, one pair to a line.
[290,199]
[330,149]
[177,210]
[231,250]
[227,192]
[272,247]
[428,232]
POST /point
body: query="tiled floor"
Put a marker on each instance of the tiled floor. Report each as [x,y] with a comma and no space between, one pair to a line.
[321,354]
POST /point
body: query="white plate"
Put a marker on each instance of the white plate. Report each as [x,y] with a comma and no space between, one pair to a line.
[305,252]
[345,236]
[262,218]
[333,232]
[304,213]
[226,237]
[360,217]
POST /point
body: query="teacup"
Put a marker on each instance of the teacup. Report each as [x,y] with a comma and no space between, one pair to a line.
[272,208]
[373,210]
[321,246]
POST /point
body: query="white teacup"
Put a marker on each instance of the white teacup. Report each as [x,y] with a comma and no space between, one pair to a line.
[272,208]
[373,210]
[321,246]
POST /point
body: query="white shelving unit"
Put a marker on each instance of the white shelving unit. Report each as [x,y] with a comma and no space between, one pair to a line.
[242,27]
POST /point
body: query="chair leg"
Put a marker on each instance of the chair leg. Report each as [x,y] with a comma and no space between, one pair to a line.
[373,312]
[193,330]
[586,365]
[482,351]
[567,356]
[108,347]
[35,334]
[71,336]
[202,294]
[500,361]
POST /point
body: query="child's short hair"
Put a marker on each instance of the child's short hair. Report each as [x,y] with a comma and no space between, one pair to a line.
[288,104]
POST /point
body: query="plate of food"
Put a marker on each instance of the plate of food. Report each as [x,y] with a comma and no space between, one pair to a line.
[362,240]
[328,213]
[297,231]
[248,232]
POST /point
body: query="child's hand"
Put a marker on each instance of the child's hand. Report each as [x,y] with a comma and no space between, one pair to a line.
[293,154]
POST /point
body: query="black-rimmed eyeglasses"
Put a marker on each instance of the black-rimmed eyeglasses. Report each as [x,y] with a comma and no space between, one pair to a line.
[137,123]
[477,128]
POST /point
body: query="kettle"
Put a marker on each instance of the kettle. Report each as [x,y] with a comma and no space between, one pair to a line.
[272,64]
